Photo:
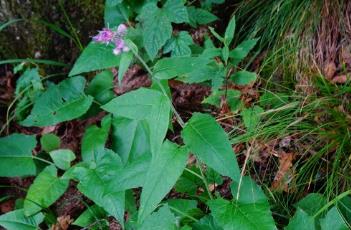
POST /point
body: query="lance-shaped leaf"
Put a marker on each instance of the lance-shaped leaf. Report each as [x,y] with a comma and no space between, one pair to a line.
[209,142]
[62,102]
[144,104]
[166,167]
[44,191]
[16,155]
[17,220]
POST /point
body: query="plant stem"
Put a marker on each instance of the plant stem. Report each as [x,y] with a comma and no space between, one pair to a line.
[203,179]
[43,160]
[178,117]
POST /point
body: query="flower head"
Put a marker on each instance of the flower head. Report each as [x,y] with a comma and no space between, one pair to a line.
[104,36]
[107,35]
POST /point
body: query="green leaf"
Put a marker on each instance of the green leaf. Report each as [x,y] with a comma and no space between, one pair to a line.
[209,142]
[225,53]
[236,215]
[130,138]
[219,37]
[28,88]
[188,183]
[179,45]
[198,16]
[101,87]
[163,219]
[95,56]
[89,216]
[17,220]
[250,192]
[333,220]
[241,51]
[206,223]
[229,32]
[156,23]
[62,102]
[50,142]
[100,175]
[115,14]
[243,77]
[113,2]
[62,158]
[44,191]
[157,28]
[94,139]
[251,117]
[176,11]
[144,104]
[165,168]
[126,59]
[301,221]
[233,98]
[16,155]
[312,203]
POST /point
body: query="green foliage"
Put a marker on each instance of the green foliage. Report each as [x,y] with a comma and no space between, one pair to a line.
[162,219]
[50,142]
[17,220]
[144,104]
[62,158]
[166,167]
[44,191]
[179,44]
[16,155]
[209,142]
[95,56]
[156,23]
[243,77]
[198,16]
[62,102]
[89,216]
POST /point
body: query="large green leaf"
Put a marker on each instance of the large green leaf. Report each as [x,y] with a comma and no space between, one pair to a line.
[209,142]
[235,215]
[95,56]
[130,138]
[206,223]
[93,183]
[144,104]
[62,102]
[333,220]
[94,139]
[16,155]
[165,168]
[156,23]
[163,219]
[17,220]
[250,192]
[44,191]
[312,203]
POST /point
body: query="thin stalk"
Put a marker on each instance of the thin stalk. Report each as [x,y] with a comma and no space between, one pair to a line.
[243,171]
[43,160]
[202,178]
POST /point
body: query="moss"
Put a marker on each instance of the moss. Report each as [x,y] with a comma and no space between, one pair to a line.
[30,37]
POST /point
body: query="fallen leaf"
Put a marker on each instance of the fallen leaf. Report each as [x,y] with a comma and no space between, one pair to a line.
[281,179]
[63,223]
[329,70]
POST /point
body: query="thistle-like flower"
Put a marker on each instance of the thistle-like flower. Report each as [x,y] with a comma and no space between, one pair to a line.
[107,36]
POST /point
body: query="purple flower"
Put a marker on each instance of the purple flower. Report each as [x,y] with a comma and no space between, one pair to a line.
[104,36]
[107,35]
